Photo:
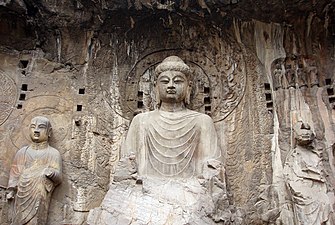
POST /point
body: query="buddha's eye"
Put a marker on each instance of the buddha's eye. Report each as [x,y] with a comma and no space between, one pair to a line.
[164,81]
[178,81]
[32,126]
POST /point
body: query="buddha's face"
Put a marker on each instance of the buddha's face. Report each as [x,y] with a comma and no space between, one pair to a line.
[172,86]
[39,130]
[303,134]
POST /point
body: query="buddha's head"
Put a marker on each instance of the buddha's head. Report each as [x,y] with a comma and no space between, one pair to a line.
[173,84]
[40,129]
[303,134]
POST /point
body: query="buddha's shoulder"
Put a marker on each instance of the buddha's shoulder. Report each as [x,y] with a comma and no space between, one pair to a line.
[143,117]
[53,152]
[186,114]
[200,116]
[22,150]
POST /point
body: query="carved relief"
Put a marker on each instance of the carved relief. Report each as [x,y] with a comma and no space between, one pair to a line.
[306,184]
[91,151]
[8,95]
[35,172]
[294,72]
[52,106]
[278,75]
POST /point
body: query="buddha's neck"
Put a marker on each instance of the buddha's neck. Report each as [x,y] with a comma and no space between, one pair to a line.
[39,145]
[172,107]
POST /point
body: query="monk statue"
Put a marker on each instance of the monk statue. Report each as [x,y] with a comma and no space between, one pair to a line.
[170,170]
[35,172]
[312,203]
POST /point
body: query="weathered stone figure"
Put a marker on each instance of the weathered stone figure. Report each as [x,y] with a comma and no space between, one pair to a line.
[35,172]
[313,76]
[174,155]
[290,76]
[312,204]
[172,141]
[278,76]
[302,76]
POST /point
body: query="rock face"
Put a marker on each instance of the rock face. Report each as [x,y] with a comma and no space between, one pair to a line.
[259,68]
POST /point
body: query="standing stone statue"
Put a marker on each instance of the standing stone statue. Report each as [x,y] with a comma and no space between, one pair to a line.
[278,76]
[35,172]
[302,76]
[312,204]
[170,171]
[313,76]
[290,76]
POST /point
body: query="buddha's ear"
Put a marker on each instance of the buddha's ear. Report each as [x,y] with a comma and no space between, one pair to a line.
[50,132]
[188,93]
[157,97]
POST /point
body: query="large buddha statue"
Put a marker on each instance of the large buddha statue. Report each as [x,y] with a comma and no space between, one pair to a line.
[172,141]
[35,172]
[170,169]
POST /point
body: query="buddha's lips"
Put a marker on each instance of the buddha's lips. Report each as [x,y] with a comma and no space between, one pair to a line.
[171,91]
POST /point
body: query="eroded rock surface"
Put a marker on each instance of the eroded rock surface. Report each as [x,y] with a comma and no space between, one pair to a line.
[259,67]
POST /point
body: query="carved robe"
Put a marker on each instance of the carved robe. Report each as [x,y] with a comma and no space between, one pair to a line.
[172,144]
[177,161]
[307,186]
[34,189]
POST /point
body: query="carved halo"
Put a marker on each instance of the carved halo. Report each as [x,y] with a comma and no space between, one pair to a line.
[61,123]
[216,90]
[8,96]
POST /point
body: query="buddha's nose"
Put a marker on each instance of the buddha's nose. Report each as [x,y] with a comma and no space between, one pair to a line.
[171,84]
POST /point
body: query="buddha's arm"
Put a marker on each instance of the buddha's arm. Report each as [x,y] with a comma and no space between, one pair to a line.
[54,171]
[126,168]
[15,171]
[209,143]
[131,144]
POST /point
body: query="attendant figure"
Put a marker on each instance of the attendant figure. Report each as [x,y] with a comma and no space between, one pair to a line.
[35,172]
[302,76]
[290,76]
[278,77]
[305,181]
[313,76]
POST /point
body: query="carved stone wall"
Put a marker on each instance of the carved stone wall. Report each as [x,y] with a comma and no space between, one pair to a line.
[255,79]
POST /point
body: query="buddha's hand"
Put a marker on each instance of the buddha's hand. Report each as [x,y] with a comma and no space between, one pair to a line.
[10,195]
[48,172]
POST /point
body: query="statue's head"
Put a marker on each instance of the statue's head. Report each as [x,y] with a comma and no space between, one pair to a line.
[173,82]
[40,129]
[303,134]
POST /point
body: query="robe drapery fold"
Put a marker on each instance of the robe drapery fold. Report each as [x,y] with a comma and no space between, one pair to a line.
[172,144]
[34,189]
